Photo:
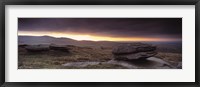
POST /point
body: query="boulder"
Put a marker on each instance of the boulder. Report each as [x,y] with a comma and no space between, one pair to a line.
[130,51]
[36,48]
[59,48]
[139,55]
[133,48]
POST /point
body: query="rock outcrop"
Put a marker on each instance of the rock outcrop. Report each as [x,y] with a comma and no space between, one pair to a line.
[150,63]
[40,48]
[132,51]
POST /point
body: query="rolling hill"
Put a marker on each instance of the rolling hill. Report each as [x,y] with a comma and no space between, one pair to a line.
[35,40]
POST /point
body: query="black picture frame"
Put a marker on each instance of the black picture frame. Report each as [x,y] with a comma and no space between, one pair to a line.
[98,2]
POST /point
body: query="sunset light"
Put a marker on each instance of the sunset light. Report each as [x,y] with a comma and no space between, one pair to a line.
[99,43]
[80,37]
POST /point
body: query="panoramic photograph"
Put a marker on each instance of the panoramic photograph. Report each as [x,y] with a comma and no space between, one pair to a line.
[99,43]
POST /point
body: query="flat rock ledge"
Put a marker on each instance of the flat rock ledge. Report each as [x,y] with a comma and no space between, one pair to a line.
[150,63]
[133,51]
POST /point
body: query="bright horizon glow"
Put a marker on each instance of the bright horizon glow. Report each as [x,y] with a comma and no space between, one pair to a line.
[80,37]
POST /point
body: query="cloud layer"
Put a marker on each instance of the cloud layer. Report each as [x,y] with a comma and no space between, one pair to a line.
[112,27]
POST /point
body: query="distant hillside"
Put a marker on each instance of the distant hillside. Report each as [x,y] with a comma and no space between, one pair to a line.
[175,47]
[34,40]
[44,40]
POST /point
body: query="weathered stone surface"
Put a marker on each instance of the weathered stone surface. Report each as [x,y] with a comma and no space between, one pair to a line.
[133,48]
[139,55]
[132,51]
[150,63]
[81,64]
[36,48]
[59,48]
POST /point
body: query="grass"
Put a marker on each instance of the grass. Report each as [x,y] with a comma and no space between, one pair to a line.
[172,58]
[54,59]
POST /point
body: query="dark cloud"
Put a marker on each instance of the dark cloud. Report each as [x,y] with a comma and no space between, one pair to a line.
[116,27]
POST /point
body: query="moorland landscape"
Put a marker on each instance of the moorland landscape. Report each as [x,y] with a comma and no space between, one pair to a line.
[99,43]
[53,53]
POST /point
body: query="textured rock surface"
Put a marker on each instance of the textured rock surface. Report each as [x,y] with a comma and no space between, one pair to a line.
[139,55]
[150,63]
[133,48]
[134,51]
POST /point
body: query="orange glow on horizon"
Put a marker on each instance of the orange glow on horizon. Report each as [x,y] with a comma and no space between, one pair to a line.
[80,37]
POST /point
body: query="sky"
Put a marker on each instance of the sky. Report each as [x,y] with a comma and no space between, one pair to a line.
[104,29]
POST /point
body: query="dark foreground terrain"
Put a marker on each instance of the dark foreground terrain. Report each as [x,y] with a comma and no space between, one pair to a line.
[77,57]
[45,52]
